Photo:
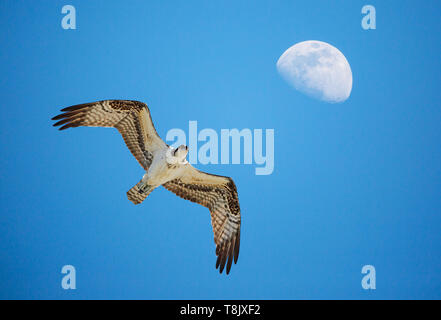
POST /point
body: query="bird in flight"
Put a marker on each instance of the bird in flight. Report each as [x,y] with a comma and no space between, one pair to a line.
[165,166]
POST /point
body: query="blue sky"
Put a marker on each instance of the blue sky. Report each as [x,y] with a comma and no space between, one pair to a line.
[354,183]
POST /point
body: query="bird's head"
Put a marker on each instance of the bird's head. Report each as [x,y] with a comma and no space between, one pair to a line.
[180,153]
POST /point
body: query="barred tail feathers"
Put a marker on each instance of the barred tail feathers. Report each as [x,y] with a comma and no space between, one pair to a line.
[139,192]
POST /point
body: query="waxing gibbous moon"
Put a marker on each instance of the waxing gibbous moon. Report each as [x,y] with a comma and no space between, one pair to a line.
[318,70]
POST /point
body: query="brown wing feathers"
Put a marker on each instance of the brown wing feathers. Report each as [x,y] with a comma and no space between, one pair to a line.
[223,203]
[124,115]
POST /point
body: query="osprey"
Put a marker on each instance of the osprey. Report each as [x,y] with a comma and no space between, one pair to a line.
[165,166]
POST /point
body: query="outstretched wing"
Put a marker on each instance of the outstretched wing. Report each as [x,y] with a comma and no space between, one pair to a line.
[131,118]
[219,195]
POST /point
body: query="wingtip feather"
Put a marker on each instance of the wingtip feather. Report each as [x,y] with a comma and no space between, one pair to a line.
[76,107]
